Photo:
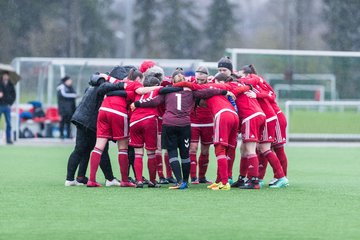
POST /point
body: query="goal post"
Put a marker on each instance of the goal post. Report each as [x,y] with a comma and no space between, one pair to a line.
[291,88]
[328,81]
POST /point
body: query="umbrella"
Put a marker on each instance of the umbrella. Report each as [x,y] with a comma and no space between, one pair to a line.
[14,77]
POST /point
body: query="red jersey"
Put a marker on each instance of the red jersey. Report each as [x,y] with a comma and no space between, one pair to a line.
[272,96]
[216,103]
[201,115]
[140,113]
[247,107]
[262,94]
[120,103]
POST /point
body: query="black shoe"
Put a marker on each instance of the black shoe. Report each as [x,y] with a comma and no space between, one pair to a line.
[153,185]
[204,180]
[239,183]
[252,184]
[130,179]
[163,181]
[145,181]
[83,180]
[194,181]
[139,185]
[9,142]
[171,180]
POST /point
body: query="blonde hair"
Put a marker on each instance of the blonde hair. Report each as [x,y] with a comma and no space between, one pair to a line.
[178,78]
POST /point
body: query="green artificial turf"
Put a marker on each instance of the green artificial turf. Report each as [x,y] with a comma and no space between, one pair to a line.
[322,202]
[324,122]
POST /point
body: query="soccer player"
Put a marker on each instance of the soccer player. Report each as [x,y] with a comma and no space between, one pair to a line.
[251,125]
[268,137]
[226,123]
[143,132]
[201,130]
[84,118]
[155,71]
[112,124]
[225,66]
[278,144]
[176,126]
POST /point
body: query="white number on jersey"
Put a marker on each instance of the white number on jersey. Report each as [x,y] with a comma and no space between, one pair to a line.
[178,101]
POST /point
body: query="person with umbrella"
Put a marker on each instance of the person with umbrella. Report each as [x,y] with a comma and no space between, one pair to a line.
[7,98]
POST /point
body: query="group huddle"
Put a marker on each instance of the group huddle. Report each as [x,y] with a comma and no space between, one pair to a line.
[143,109]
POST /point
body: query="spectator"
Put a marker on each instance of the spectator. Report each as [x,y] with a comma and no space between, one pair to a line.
[66,104]
[7,98]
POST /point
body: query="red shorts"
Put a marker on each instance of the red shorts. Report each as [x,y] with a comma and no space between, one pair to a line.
[144,132]
[205,133]
[112,125]
[226,128]
[269,133]
[280,129]
[252,127]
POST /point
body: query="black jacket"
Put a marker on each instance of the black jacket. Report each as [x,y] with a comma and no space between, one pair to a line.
[87,111]
[66,100]
[8,92]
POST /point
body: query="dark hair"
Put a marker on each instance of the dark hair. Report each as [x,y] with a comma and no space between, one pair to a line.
[249,69]
[223,77]
[134,73]
[64,79]
[119,72]
[151,81]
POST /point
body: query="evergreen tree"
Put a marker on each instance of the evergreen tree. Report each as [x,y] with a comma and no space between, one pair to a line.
[219,28]
[54,29]
[342,18]
[343,34]
[145,34]
[179,35]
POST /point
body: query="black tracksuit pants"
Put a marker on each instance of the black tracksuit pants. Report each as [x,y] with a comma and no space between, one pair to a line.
[85,143]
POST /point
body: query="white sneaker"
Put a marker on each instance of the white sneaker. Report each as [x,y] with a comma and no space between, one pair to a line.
[272,181]
[114,182]
[72,183]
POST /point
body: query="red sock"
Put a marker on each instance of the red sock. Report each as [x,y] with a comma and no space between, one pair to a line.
[243,166]
[275,164]
[95,158]
[193,165]
[280,153]
[124,164]
[203,164]
[159,165]
[152,167]
[167,166]
[262,165]
[218,178]
[231,159]
[253,165]
[138,164]
[220,152]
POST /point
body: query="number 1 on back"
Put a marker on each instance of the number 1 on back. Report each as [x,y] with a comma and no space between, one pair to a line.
[178,101]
